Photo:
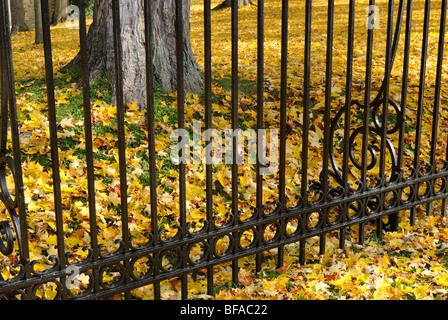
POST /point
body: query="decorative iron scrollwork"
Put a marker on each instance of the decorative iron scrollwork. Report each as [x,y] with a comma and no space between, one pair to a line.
[8,239]
[377,129]
[11,190]
[374,126]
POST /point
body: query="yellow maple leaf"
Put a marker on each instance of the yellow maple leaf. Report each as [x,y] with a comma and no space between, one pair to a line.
[421,292]
[443,279]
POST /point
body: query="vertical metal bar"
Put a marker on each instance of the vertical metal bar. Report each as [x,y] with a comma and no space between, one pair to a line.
[348,103]
[181,125]
[8,89]
[368,83]
[260,126]
[327,112]
[388,66]
[342,238]
[4,98]
[151,135]
[121,135]
[412,216]
[323,238]
[306,102]
[283,108]
[421,97]
[306,112]
[283,103]
[302,247]
[348,95]
[53,136]
[234,102]
[435,121]
[404,90]
[387,69]
[444,204]
[208,125]
[88,137]
[421,93]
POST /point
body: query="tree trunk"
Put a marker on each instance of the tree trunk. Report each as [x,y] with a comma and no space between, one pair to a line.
[39,35]
[9,12]
[18,21]
[100,43]
[60,11]
[228,4]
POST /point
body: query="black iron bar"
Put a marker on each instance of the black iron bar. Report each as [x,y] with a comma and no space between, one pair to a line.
[384,129]
[327,144]
[348,103]
[283,104]
[121,137]
[234,103]
[260,127]
[306,102]
[366,119]
[421,93]
[388,64]
[88,137]
[4,98]
[181,125]
[348,95]
[151,135]
[327,113]
[53,136]
[435,121]
[306,116]
[436,108]
[421,96]
[208,125]
[404,90]
[283,109]
[8,90]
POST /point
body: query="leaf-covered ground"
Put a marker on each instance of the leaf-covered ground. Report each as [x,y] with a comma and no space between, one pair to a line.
[410,264]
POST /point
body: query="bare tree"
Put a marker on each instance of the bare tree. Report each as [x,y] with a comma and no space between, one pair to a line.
[228,4]
[18,21]
[60,11]
[101,53]
[39,35]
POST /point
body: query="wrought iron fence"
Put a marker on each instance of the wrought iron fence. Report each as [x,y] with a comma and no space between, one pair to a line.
[375,146]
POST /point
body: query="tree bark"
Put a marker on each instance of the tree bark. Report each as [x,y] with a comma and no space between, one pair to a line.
[228,4]
[60,11]
[100,43]
[38,30]
[18,16]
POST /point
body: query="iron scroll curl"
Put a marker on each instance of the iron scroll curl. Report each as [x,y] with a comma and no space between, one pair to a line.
[375,125]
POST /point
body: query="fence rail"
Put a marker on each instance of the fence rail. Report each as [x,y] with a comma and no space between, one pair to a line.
[375,147]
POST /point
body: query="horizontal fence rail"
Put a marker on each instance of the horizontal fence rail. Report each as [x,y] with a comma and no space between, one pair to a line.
[367,171]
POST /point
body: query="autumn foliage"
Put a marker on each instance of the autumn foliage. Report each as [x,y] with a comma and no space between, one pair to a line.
[411,263]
